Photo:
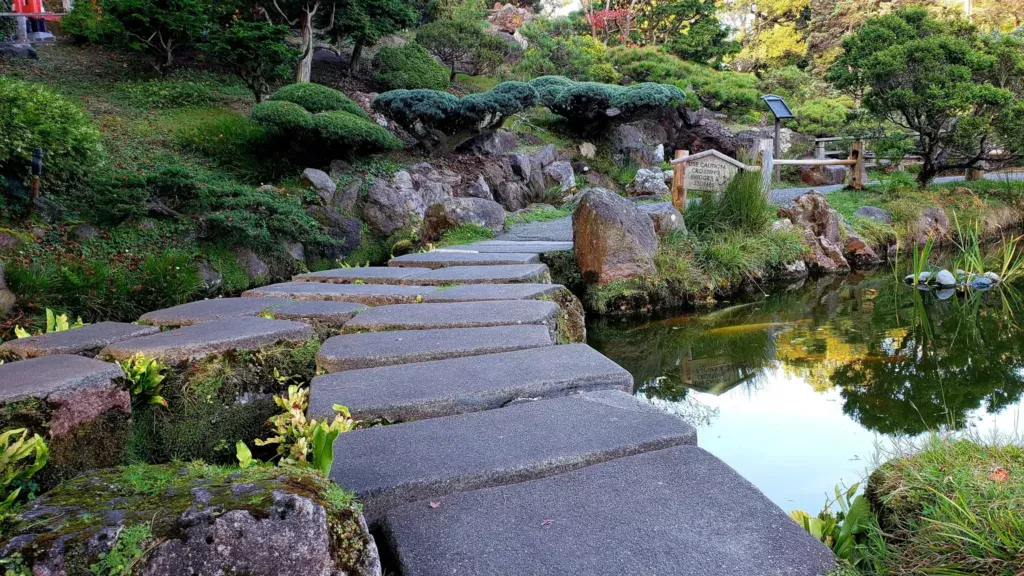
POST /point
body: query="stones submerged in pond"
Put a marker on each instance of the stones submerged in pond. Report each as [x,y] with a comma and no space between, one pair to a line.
[923,278]
[981,283]
[945,279]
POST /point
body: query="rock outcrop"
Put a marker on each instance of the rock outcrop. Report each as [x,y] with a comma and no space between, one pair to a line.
[665,217]
[641,143]
[648,182]
[457,211]
[823,175]
[7,298]
[612,239]
[933,223]
[819,225]
[321,183]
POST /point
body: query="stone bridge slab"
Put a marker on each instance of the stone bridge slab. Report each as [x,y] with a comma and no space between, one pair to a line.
[388,466]
[196,342]
[368,294]
[367,275]
[456,315]
[55,375]
[502,274]
[673,511]
[320,312]
[460,385]
[445,259]
[202,311]
[372,349]
[84,341]
[483,292]
[498,246]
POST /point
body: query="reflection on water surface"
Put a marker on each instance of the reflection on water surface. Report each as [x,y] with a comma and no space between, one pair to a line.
[795,390]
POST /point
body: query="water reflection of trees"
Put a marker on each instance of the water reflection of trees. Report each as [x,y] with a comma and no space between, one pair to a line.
[904,362]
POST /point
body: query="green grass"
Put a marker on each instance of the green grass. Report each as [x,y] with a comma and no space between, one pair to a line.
[540,215]
[476,83]
[464,234]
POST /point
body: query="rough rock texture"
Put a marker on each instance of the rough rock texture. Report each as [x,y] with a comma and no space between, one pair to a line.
[788,139]
[319,313]
[876,214]
[560,174]
[494,143]
[509,18]
[453,212]
[368,294]
[393,205]
[673,511]
[363,275]
[932,222]
[699,131]
[7,298]
[392,465]
[503,274]
[819,225]
[612,238]
[823,175]
[84,341]
[537,247]
[444,259]
[457,315]
[346,232]
[648,182]
[512,195]
[18,51]
[859,253]
[479,189]
[255,268]
[641,143]
[198,520]
[665,217]
[479,292]
[320,182]
[202,311]
[76,403]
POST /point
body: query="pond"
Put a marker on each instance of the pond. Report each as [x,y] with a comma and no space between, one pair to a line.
[798,390]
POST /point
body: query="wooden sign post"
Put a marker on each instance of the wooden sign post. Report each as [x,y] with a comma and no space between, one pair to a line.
[678,179]
[707,171]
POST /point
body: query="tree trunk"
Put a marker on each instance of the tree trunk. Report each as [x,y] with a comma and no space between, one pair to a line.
[451,77]
[928,172]
[305,67]
[357,52]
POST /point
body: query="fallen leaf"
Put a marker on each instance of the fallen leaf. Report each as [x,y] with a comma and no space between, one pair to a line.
[546,523]
[435,505]
[999,475]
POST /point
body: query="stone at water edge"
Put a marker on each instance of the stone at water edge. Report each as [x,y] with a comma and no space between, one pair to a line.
[84,341]
[819,226]
[320,182]
[945,279]
[992,276]
[613,240]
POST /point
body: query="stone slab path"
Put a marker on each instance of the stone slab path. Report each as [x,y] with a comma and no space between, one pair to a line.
[54,376]
[366,275]
[506,274]
[387,466]
[202,311]
[456,315]
[84,341]
[373,349]
[367,294]
[499,246]
[482,292]
[444,259]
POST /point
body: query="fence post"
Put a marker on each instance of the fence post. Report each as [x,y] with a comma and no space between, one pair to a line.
[858,172]
[767,159]
[21,32]
[819,149]
[679,181]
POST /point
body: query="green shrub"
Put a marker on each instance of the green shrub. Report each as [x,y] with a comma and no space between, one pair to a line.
[347,131]
[166,94]
[257,52]
[237,143]
[283,115]
[549,88]
[465,45]
[819,117]
[161,28]
[7,25]
[741,206]
[317,98]
[587,104]
[553,50]
[408,67]
[33,116]
[86,23]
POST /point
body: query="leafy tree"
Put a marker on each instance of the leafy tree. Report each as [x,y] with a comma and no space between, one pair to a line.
[86,23]
[7,25]
[464,46]
[161,27]
[772,32]
[313,19]
[555,49]
[364,22]
[408,67]
[936,78]
[256,52]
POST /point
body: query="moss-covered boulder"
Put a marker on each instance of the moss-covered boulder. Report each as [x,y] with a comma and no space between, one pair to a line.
[194,519]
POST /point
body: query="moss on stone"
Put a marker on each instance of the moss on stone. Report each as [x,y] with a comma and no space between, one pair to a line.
[571,322]
[564,271]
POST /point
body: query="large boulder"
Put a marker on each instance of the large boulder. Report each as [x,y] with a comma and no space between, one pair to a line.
[513,195]
[823,175]
[641,143]
[393,205]
[561,174]
[345,231]
[321,183]
[819,226]
[458,211]
[255,268]
[612,238]
[932,222]
[194,519]
[434,185]
[509,18]
[665,217]
[873,213]
[494,143]
[479,189]
[16,51]
[788,139]
[648,182]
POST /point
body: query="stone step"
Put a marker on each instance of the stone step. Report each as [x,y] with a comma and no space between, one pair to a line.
[58,375]
[372,349]
[482,292]
[673,511]
[202,311]
[502,274]
[387,466]
[459,385]
[195,342]
[456,315]
[84,341]
[442,259]
[365,275]
[367,294]
[498,246]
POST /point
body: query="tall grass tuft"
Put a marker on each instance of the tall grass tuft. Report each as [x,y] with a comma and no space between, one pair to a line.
[741,206]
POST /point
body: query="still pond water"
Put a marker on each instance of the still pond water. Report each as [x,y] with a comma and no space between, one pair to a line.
[797,391]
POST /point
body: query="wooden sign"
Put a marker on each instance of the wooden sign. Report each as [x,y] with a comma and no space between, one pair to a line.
[709,173]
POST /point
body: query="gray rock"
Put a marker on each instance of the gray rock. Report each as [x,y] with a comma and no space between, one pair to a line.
[372,349]
[648,182]
[945,293]
[367,294]
[460,385]
[454,212]
[992,276]
[347,196]
[254,267]
[932,223]
[7,298]
[665,217]
[15,51]
[612,238]
[364,275]
[560,174]
[434,185]
[641,143]
[823,175]
[345,231]
[545,156]
[479,189]
[505,274]
[494,143]
[196,342]
[393,206]
[481,292]
[321,183]
[451,258]
[84,341]
[319,312]
[491,246]
[83,232]
[522,166]
[876,214]
[793,271]
[559,230]
[981,283]
[392,465]
[456,315]
[295,250]
[339,168]
[686,512]
[945,279]
[202,311]
[512,195]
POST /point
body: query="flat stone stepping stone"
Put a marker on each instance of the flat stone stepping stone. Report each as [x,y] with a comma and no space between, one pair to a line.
[673,511]
[498,246]
[445,259]
[506,274]
[332,314]
[366,275]
[55,375]
[372,349]
[196,342]
[84,341]
[456,315]
[367,294]
[387,466]
[460,385]
[202,311]
[482,292]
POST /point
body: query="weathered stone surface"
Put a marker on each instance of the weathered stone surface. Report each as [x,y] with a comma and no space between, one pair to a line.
[204,521]
[512,195]
[823,175]
[665,217]
[512,246]
[372,349]
[255,268]
[16,51]
[560,174]
[454,212]
[392,206]
[612,238]
[346,232]
[503,274]
[648,182]
[456,315]
[673,511]
[368,294]
[84,341]
[209,310]
[444,259]
[318,312]
[198,341]
[819,225]
[392,465]
[460,385]
[641,143]
[7,298]
[477,292]
[859,253]
[873,213]
[479,189]
[366,275]
[319,181]
[932,222]
[509,18]
[494,143]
